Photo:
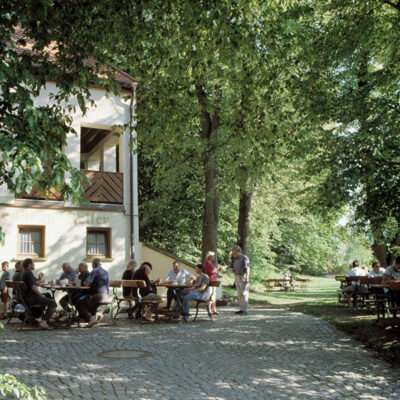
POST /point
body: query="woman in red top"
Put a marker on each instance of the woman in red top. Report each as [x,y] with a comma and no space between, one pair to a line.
[211,270]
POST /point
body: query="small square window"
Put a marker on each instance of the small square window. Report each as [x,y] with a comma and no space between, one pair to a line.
[98,242]
[31,241]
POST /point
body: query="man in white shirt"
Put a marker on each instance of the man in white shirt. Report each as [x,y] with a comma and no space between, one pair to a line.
[355,286]
[176,275]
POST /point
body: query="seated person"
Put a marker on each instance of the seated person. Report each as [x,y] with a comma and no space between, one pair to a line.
[81,275]
[19,271]
[201,291]
[17,277]
[293,281]
[83,272]
[98,281]
[32,296]
[175,276]
[68,272]
[391,274]
[127,276]
[146,293]
[376,272]
[286,283]
[355,286]
[5,276]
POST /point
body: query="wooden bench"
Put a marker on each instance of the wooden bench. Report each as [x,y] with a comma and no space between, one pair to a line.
[390,309]
[130,299]
[303,282]
[213,285]
[140,303]
[19,287]
[147,302]
[369,298]
[342,280]
[393,309]
[270,284]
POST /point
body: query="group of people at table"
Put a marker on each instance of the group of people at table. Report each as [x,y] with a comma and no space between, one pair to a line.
[390,274]
[93,287]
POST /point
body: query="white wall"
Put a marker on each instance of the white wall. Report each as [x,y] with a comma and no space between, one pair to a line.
[107,112]
[65,236]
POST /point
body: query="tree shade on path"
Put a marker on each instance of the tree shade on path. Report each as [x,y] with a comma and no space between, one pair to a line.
[270,354]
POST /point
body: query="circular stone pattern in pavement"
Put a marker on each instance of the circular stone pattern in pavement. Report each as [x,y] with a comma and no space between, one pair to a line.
[124,354]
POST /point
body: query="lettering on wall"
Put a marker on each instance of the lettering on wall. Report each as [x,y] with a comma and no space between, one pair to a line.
[92,219]
[28,218]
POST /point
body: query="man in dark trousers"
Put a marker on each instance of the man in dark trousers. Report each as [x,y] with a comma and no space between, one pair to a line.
[98,281]
[241,268]
[33,296]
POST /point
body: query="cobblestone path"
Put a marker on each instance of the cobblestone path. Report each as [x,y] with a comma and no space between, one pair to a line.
[269,354]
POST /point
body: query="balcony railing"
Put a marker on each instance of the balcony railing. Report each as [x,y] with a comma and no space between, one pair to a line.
[36,194]
[106,187]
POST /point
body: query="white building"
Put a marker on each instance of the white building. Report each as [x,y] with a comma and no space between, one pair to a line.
[52,231]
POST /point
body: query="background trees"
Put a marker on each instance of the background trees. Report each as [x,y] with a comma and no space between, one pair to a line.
[354,96]
[285,109]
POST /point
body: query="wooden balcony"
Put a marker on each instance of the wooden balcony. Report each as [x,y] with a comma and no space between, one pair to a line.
[36,194]
[106,187]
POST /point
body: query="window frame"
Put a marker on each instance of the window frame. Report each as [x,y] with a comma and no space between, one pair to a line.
[108,246]
[41,229]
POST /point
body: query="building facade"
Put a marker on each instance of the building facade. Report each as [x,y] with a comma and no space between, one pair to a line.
[51,230]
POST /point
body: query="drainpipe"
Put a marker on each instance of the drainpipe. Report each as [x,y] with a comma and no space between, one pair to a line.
[132,243]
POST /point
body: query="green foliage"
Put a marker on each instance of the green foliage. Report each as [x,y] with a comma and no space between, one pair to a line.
[350,62]
[31,135]
[10,385]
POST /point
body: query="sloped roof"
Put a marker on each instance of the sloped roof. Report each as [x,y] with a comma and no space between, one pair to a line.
[122,77]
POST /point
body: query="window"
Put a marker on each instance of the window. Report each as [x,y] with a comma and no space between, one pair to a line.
[31,241]
[99,242]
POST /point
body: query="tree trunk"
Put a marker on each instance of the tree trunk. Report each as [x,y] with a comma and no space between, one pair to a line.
[380,250]
[209,135]
[244,220]
[394,249]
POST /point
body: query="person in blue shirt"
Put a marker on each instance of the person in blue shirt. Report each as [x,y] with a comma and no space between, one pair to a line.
[68,272]
[98,282]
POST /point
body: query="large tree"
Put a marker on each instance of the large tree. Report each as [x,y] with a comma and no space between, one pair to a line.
[216,77]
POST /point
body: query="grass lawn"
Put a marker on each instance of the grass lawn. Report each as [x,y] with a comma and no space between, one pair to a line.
[320,300]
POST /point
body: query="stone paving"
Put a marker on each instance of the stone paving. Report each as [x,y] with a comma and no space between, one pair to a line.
[269,354]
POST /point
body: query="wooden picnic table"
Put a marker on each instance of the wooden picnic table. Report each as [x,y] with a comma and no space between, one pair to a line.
[303,282]
[171,285]
[271,283]
[70,289]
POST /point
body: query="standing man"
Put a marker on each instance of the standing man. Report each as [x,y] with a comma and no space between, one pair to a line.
[241,268]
